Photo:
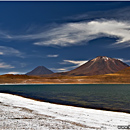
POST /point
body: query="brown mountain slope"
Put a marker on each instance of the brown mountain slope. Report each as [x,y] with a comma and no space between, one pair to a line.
[120,77]
[40,70]
[124,72]
[99,65]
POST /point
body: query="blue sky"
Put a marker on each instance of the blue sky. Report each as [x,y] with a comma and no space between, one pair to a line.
[61,35]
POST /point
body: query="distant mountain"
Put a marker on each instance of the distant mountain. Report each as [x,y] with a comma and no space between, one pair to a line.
[40,70]
[99,65]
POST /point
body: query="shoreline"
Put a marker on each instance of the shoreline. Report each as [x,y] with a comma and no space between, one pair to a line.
[22,113]
[54,83]
[64,104]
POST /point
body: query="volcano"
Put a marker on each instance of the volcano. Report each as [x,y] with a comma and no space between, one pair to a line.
[99,65]
[40,70]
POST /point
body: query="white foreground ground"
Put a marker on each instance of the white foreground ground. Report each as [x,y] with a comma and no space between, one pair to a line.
[18,113]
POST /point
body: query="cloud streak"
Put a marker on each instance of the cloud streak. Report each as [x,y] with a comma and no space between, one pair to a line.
[9,51]
[117,14]
[123,60]
[13,72]
[74,62]
[64,69]
[52,55]
[3,65]
[79,33]
[77,63]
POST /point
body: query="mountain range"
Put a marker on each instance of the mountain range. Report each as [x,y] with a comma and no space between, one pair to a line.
[100,70]
[97,66]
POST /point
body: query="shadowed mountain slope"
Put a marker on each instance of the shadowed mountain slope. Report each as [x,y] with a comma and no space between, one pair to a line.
[40,70]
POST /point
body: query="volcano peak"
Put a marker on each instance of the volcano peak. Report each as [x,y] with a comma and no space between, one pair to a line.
[99,65]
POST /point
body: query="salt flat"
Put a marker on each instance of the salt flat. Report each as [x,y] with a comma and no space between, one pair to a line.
[21,113]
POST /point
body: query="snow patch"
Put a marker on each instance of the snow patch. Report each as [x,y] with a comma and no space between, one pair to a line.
[105,58]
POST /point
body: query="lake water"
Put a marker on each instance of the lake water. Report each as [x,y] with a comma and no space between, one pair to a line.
[114,97]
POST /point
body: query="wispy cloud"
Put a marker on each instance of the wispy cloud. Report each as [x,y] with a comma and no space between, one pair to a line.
[77,63]
[3,34]
[79,33]
[13,72]
[53,55]
[9,51]
[123,60]
[74,64]
[6,66]
[63,69]
[113,23]
[59,69]
[116,13]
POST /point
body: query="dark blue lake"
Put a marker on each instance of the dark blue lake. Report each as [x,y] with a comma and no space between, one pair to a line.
[114,97]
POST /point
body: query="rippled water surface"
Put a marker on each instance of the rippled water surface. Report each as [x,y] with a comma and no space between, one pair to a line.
[101,96]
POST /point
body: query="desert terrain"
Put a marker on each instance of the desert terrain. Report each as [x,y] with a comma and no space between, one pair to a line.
[120,77]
